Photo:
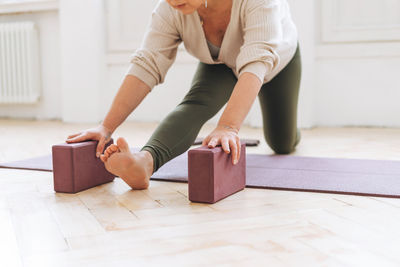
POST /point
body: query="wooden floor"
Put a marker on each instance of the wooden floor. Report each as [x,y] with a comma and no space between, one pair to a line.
[111,225]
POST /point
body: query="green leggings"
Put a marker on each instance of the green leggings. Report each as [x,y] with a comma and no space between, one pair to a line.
[211,88]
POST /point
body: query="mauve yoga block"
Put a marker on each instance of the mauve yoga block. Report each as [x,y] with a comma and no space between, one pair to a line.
[76,168]
[212,176]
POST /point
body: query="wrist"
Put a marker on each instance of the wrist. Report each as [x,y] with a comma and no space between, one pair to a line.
[229,127]
[109,131]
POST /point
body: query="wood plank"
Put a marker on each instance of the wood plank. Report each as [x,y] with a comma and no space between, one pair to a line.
[10,255]
[135,200]
[192,208]
[360,238]
[107,210]
[166,195]
[72,216]
[13,181]
[370,213]
[395,202]
[36,230]
[253,237]
[204,227]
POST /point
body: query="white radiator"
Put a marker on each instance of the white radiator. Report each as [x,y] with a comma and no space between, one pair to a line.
[19,63]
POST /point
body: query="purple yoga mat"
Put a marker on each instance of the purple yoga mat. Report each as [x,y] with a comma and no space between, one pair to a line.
[43,163]
[309,174]
[286,172]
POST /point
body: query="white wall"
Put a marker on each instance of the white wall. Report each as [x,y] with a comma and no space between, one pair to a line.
[83,65]
[49,106]
[350,52]
[360,91]
[357,63]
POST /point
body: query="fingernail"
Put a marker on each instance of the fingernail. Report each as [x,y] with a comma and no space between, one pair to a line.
[235,161]
[98,154]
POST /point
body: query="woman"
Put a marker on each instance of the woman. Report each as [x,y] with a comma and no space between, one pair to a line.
[245,48]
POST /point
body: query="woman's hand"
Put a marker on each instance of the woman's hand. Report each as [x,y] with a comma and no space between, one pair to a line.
[228,138]
[99,133]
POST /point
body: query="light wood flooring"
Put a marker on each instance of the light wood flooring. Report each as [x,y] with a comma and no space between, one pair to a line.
[111,225]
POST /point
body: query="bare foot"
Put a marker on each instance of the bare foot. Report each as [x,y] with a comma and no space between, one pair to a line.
[134,168]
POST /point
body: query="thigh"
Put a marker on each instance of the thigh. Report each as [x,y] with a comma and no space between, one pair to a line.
[278,99]
[210,89]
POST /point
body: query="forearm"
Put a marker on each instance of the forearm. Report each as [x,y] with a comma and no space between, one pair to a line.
[129,96]
[241,100]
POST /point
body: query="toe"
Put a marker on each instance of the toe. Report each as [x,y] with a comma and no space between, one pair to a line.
[103,158]
[123,145]
[110,150]
[113,147]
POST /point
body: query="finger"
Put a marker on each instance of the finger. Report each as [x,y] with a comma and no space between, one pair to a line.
[100,146]
[213,142]
[225,145]
[232,144]
[73,135]
[239,146]
[205,141]
[80,138]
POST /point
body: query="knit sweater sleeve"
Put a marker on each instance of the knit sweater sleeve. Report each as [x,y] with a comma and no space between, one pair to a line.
[262,32]
[150,63]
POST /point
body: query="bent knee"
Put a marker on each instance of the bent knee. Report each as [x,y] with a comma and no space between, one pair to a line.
[284,151]
[282,148]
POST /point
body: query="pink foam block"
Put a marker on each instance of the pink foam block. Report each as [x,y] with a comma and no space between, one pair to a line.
[76,168]
[212,176]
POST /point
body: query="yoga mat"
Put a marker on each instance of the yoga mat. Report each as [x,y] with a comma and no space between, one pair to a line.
[308,174]
[286,172]
[43,163]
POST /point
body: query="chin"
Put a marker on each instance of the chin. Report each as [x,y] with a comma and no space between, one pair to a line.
[185,8]
[187,11]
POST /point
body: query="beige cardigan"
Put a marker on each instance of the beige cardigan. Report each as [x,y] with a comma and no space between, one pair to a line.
[261,38]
